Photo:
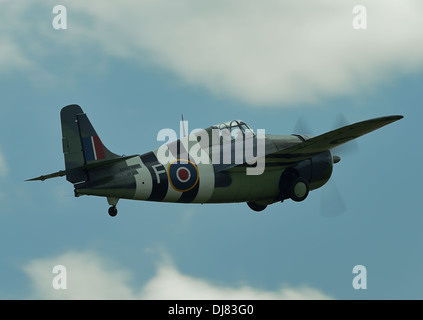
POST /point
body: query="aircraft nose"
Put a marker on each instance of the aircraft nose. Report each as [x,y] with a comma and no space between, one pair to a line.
[336,159]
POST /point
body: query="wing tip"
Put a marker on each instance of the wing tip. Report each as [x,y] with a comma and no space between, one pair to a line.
[396,117]
[385,120]
[390,118]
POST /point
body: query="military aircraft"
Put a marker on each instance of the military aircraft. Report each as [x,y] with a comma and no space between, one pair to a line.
[224,163]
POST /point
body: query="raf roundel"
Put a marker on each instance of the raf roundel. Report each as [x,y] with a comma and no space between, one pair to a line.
[183,175]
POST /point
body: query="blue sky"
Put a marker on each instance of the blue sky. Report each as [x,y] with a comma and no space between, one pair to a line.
[134,68]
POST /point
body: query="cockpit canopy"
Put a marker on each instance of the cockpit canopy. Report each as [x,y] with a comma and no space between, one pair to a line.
[235,127]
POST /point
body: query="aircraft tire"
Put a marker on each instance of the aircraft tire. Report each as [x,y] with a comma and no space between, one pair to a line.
[256,207]
[299,189]
[113,211]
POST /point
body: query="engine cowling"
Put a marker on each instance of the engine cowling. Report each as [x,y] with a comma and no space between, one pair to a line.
[310,174]
[321,169]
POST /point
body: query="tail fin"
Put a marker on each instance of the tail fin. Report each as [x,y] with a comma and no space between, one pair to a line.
[81,144]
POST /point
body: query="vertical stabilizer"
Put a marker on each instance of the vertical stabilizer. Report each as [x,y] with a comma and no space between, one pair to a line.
[81,143]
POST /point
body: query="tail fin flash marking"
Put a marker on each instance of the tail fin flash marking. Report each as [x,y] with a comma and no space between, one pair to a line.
[88,149]
[98,148]
[93,148]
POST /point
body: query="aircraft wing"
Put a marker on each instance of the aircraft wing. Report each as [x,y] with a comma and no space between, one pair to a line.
[329,140]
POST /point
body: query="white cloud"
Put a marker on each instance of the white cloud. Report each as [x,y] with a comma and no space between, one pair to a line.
[11,55]
[4,168]
[170,283]
[90,276]
[266,52]
[261,52]
[87,278]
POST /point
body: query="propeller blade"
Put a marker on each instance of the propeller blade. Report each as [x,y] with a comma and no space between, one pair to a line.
[302,127]
[332,203]
[351,146]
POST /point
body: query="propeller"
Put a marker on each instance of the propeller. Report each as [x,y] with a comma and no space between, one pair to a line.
[302,127]
[347,148]
[332,203]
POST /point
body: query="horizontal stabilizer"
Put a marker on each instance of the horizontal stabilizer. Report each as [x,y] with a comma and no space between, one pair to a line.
[86,167]
[57,174]
[103,163]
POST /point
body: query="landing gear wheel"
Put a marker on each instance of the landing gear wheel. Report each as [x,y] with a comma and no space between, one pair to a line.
[256,207]
[299,189]
[113,211]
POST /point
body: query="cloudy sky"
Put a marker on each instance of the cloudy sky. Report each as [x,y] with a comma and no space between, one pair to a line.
[134,67]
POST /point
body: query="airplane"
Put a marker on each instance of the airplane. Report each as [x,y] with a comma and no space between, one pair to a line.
[287,166]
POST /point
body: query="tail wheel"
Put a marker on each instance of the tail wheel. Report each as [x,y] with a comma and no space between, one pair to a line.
[299,189]
[113,201]
[113,211]
[256,207]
